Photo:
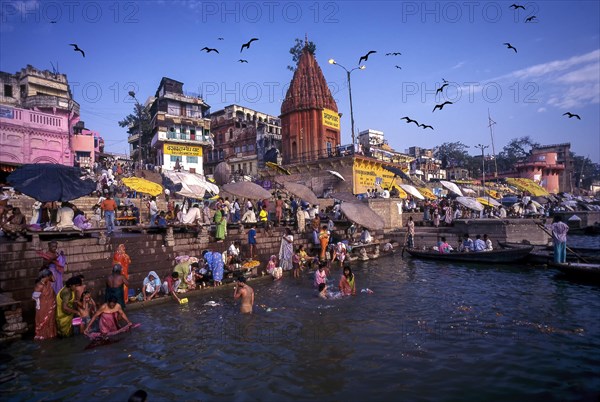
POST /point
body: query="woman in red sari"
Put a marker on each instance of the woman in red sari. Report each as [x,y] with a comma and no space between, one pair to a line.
[123,259]
[45,306]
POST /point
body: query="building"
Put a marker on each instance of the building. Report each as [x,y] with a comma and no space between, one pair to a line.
[245,138]
[457,173]
[546,166]
[180,129]
[38,116]
[310,123]
[371,138]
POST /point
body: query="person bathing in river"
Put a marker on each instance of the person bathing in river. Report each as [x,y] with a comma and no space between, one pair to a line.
[323,291]
[246,293]
[86,306]
[170,285]
[151,286]
[320,274]
[115,284]
[109,314]
[347,285]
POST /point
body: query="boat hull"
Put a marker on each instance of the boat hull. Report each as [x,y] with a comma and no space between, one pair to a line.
[496,256]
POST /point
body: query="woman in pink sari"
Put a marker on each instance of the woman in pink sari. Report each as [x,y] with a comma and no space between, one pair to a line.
[45,306]
[109,313]
[123,259]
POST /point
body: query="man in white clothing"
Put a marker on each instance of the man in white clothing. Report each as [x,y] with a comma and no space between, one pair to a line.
[193,216]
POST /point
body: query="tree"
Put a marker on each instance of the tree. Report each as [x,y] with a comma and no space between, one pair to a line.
[296,51]
[132,122]
[584,171]
[454,154]
[515,151]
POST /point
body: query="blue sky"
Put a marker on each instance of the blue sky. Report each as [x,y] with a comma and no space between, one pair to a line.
[131,45]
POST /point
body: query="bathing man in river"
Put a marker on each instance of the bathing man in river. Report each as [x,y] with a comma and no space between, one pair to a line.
[246,293]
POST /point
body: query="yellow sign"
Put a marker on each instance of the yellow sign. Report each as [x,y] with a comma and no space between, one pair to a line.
[331,119]
[182,150]
[370,175]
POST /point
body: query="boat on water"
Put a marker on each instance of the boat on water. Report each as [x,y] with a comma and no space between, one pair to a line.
[495,256]
[579,270]
[545,254]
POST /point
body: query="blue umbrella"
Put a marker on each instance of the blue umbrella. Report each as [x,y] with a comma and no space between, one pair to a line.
[48,182]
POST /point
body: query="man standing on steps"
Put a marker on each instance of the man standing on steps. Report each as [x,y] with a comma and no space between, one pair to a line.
[109,206]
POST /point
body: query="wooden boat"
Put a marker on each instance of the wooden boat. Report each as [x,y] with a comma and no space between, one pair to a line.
[495,256]
[580,270]
[545,254]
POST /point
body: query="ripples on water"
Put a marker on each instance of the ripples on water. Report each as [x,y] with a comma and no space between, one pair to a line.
[431,331]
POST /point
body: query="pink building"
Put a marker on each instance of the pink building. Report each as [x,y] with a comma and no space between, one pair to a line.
[544,168]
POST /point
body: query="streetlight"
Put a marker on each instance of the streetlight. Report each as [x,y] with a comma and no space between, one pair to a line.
[332,61]
[139,112]
[482,147]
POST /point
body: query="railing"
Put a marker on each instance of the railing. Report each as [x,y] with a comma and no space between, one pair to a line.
[42,120]
[169,135]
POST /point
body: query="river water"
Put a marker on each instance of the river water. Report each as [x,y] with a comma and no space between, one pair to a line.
[430,331]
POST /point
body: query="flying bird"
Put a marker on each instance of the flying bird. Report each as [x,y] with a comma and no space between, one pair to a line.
[443,80]
[398,67]
[393,54]
[366,56]
[247,44]
[516,6]
[220,38]
[209,49]
[53,22]
[441,106]
[77,49]
[509,46]
[243,61]
[440,89]
[409,120]
[425,126]
[571,115]
[529,19]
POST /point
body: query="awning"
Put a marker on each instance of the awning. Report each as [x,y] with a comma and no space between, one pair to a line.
[192,185]
[527,185]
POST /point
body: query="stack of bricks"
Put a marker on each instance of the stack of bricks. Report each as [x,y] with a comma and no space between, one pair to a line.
[13,326]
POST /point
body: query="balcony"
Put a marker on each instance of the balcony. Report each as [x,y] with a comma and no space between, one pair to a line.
[184,138]
[50,101]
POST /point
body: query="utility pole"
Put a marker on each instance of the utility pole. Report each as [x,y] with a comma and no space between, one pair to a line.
[490,124]
[482,147]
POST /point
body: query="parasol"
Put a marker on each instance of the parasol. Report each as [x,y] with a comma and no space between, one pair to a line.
[48,182]
[345,197]
[362,215]
[451,186]
[468,190]
[527,185]
[412,191]
[470,203]
[398,172]
[222,173]
[192,185]
[302,192]
[277,168]
[143,186]
[541,199]
[246,189]
[489,201]
[336,174]
[427,193]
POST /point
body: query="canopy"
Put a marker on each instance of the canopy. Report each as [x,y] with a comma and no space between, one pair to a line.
[277,168]
[247,189]
[470,203]
[488,201]
[222,173]
[336,174]
[48,182]
[427,193]
[527,185]
[362,215]
[468,190]
[143,186]
[398,172]
[192,185]
[302,192]
[345,197]
[452,187]
[412,191]
[493,193]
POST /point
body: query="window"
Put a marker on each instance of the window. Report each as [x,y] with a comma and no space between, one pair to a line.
[250,147]
[192,133]
[175,157]
[244,148]
[174,108]
[192,159]
[237,150]
[8,91]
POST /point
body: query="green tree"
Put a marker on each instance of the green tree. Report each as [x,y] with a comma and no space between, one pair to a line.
[515,151]
[584,171]
[296,51]
[132,122]
[454,154]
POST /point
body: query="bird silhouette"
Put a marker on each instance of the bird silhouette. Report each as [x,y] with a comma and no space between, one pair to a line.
[516,6]
[443,80]
[243,61]
[509,46]
[209,49]
[409,120]
[77,49]
[53,22]
[529,19]
[440,89]
[393,54]
[571,115]
[398,67]
[220,38]
[366,56]
[425,126]
[247,44]
[441,106]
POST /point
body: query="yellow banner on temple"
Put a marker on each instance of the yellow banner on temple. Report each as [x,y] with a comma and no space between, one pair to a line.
[182,150]
[143,186]
[369,175]
[427,193]
[528,186]
[331,119]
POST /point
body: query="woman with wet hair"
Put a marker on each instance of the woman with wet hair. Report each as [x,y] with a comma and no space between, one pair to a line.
[45,306]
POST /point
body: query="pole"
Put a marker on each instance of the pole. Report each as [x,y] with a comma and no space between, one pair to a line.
[490,124]
[139,110]
[351,111]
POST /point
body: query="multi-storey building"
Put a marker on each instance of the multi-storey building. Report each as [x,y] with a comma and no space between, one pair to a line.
[245,138]
[180,128]
[38,116]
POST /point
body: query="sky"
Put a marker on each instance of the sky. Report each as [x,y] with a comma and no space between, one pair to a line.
[131,45]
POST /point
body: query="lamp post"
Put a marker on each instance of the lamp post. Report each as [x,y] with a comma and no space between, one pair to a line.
[348,72]
[139,112]
[482,147]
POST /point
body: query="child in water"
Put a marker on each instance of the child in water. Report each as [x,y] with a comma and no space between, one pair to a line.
[272,268]
[86,306]
[296,264]
[323,291]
